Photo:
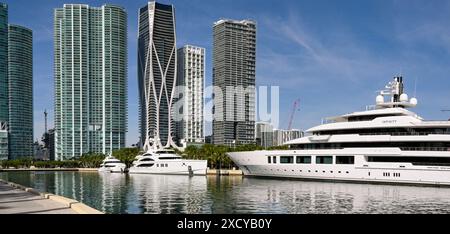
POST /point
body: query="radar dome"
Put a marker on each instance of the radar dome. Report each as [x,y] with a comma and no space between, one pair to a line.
[380,99]
[404,97]
[413,101]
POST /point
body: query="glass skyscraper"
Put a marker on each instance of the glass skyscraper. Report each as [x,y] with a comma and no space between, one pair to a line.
[90,68]
[16,89]
[157,60]
[20,79]
[234,67]
[4,107]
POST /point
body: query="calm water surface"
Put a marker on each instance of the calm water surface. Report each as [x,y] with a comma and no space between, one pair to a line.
[155,194]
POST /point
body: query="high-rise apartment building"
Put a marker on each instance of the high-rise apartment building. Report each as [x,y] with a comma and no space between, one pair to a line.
[264,134]
[4,107]
[234,72]
[4,149]
[157,61]
[90,70]
[16,89]
[280,136]
[20,83]
[191,82]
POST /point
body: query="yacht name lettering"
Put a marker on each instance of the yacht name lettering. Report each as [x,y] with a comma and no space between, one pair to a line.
[189,224]
[246,223]
[390,121]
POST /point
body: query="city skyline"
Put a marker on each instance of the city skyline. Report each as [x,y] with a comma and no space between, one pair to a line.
[355,56]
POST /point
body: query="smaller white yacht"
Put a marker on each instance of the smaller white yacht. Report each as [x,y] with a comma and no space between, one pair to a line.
[113,165]
[166,161]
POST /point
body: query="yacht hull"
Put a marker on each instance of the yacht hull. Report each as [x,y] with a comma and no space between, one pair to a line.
[170,167]
[257,164]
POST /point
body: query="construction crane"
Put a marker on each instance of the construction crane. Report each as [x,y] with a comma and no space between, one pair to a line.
[294,109]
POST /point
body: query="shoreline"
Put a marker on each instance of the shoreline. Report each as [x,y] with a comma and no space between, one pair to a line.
[221,172]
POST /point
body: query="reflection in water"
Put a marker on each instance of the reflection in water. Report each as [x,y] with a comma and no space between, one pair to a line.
[159,194]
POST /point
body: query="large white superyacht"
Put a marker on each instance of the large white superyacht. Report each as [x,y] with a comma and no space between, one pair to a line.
[386,143]
[166,161]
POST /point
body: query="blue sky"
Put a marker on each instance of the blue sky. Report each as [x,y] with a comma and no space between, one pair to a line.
[333,55]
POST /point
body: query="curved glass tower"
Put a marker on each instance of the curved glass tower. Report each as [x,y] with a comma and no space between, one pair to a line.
[90,79]
[20,82]
[157,60]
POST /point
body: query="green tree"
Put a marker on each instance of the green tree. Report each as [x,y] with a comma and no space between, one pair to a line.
[126,155]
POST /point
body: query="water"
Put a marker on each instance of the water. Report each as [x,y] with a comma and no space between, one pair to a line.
[159,194]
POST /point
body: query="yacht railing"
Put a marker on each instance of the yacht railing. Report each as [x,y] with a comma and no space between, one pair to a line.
[425,148]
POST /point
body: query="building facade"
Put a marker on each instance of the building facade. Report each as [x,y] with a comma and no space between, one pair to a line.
[191,84]
[4,149]
[234,72]
[157,72]
[90,70]
[16,89]
[4,106]
[282,136]
[264,134]
[49,144]
[20,83]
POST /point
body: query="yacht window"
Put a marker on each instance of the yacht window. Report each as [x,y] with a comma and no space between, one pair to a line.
[269,159]
[168,158]
[324,160]
[167,165]
[157,165]
[422,161]
[146,165]
[274,159]
[146,160]
[345,159]
[304,159]
[287,159]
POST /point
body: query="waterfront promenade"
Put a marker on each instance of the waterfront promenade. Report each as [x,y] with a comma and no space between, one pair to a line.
[17,201]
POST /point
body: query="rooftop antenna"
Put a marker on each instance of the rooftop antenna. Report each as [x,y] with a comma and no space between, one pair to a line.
[45,114]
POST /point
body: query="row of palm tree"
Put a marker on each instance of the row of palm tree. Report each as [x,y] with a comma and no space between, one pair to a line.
[215,154]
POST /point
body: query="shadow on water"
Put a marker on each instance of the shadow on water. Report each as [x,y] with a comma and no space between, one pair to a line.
[161,194]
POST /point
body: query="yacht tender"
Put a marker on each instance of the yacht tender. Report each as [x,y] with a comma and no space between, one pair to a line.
[165,161]
[386,143]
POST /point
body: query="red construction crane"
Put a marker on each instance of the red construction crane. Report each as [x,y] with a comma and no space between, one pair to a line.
[294,109]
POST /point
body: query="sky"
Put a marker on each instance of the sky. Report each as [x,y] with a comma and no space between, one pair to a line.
[332,55]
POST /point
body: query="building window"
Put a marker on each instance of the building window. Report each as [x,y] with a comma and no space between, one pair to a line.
[304,159]
[286,159]
[345,159]
[324,160]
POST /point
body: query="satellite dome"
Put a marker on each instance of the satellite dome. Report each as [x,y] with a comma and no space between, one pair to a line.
[404,97]
[413,101]
[380,99]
